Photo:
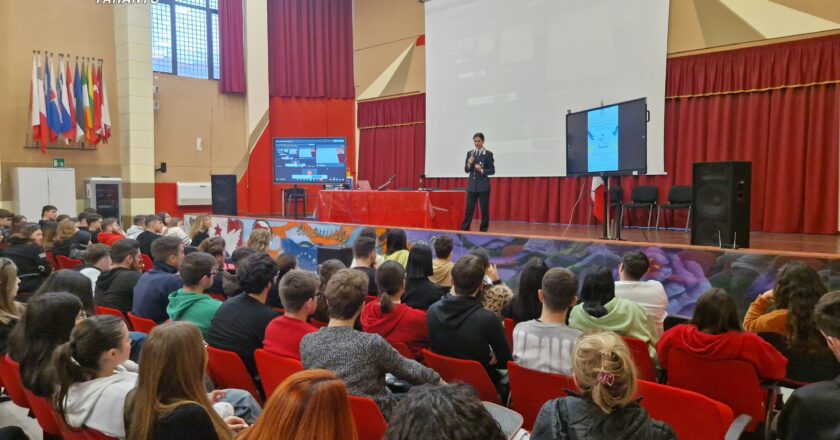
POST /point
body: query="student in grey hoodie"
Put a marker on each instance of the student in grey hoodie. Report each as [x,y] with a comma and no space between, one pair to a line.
[138,227]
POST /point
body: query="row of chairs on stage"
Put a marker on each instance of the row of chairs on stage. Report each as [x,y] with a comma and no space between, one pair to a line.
[647,197]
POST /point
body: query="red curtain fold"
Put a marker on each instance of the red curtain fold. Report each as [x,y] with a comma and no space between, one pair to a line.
[310,46]
[231,47]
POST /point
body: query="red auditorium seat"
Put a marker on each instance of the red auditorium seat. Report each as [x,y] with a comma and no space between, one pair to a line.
[641,357]
[530,389]
[52,261]
[370,425]
[509,326]
[68,263]
[402,348]
[464,371]
[9,371]
[45,415]
[274,369]
[102,310]
[142,325]
[147,262]
[228,371]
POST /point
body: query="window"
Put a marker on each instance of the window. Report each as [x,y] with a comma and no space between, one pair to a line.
[185,38]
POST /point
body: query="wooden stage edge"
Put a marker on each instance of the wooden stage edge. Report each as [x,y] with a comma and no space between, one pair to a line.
[764,243]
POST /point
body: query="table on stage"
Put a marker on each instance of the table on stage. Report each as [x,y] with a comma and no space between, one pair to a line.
[413,209]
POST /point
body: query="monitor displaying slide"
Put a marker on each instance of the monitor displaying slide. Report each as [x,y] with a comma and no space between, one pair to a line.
[607,140]
[310,160]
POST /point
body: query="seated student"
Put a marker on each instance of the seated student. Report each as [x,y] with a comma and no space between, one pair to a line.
[259,240]
[200,229]
[286,261]
[230,285]
[443,412]
[50,229]
[94,222]
[69,240]
[525,305]
[715,334]
[215,246]
[190,303]
[111,232]
[795,279]
[72,282]
[442,264]
[165,218]
[364,259]
[138,226]
[546,343]
[607,407]
[175,227]
[648,294]
[420,293]
[152,229]
[151,294]
[49,213]
[811,411]
[92,381]
[169,401]
[115,288]
[600,308]
[240,323]
[460,327]
[389,318]
[26,251]
[10,309]
[396,247]
[495,295]
[308,405]
[97,260]
[6,217]
[325,272]
[361,360]
[370,232]
[284,333]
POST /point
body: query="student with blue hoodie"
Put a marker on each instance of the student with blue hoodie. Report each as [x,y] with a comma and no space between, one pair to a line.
[151,294]
[190,303]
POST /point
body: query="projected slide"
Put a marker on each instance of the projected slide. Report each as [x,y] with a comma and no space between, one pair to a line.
[304,160]
[602,132]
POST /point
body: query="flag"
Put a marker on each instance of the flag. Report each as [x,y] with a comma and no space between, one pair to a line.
[80,107]
[86,102]
[64,102]
[36,101]
[71,103]
[97,104]
[106,114]
[53,115]
[598,197]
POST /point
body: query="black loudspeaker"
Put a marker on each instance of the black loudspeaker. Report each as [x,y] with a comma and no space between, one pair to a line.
[720,212]
[223,190]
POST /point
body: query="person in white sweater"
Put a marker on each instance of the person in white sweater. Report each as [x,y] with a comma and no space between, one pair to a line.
[648,294]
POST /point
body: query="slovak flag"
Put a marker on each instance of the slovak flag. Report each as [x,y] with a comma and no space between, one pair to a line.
[63,101]
[597,192]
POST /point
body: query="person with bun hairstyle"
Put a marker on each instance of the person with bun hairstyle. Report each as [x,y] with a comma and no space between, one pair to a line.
[606,408]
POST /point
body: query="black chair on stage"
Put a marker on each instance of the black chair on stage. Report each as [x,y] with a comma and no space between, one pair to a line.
[642,197]
[679,197]
[294,195]
[343,254]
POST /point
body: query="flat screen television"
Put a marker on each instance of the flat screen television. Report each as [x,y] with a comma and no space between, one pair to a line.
[310,160]
[608,140]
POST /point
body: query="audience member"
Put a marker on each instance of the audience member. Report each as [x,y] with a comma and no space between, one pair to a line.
[460,327]
[97,260]
[607,408]
[396,247]
[370,232]
[389,318]
[259,240]
[165,218]
[49,230]
[6,218]
[72,282]
[49,213]
[600,308]
[62,217]
[325,273]
[442,264]
[240,323]
[153,228]
[115,288]
[92,379]
[111,232]
[137,227]
[151,294]
[216,246]
[175,228]
[169,401]
[284,333]
[18,220]
[420,292]
[495,295]
[811,411]
[525,305]
[648,294]
[230,285]
[69,240]
[443,412]
[797,283]
[364,259]
[309,405]
[286,261]
[360,359]
[94,227]
[10,309]
[26,251]
[715,334]
[200,229]
[546,343]
[190,303]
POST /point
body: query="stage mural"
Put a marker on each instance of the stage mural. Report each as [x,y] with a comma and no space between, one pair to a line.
[685,272]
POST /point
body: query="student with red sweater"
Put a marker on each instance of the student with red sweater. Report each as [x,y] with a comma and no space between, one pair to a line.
[297,293]
[394,321]
[111,232]
[715,333]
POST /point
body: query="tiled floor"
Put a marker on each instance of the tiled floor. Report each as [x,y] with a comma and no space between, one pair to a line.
[13,415]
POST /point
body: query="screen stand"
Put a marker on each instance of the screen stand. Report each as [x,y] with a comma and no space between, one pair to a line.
[607,210]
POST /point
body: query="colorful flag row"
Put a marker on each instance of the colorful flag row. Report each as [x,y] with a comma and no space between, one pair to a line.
[68,107]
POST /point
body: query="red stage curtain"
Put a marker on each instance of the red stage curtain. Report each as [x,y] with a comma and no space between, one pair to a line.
[310,48]
[392,140]
[231,47]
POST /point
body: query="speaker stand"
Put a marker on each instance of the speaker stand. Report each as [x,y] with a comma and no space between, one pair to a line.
[607,210]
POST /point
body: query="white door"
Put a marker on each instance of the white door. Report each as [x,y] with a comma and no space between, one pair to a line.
[62,190]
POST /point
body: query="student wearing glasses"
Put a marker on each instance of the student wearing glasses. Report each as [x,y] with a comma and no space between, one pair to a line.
[190,303]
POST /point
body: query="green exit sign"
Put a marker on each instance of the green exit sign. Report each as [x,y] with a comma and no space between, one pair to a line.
[58,162]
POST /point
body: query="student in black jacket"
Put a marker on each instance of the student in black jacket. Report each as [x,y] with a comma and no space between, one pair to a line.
[420,292]
[68,238]
[26,251]
[460,327]
[115,288]
[153,225]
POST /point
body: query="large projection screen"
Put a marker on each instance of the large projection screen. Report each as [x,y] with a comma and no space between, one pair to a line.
[513,68]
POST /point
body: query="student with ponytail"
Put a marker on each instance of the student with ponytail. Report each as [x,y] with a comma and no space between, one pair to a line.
[92,382]
[606,407]
[389,318]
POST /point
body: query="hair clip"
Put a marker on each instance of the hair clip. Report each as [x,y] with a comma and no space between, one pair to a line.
[605,378]
[75,362]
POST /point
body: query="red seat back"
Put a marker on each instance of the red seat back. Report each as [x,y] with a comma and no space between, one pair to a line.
[274,369]
[44,414]
[228,371]
[102,310]
[641,357]
[217,297]
[691,415]
[68,263]
[51,259]
[370,425]
[530,389]
[10,372]
[464,371]
[142,325]
[509,326]
[402,348]
[147,262]
[732,382]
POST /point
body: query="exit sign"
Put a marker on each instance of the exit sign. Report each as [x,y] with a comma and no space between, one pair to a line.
[58,162]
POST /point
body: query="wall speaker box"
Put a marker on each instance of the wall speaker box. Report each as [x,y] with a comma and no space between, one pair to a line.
[223,190]
[721,207]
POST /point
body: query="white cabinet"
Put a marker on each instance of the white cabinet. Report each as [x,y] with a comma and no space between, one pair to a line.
[32,188]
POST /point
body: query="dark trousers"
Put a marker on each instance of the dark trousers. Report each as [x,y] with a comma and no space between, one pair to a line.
[484,199]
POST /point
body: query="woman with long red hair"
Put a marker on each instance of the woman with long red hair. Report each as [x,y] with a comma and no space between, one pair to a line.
[309,405]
